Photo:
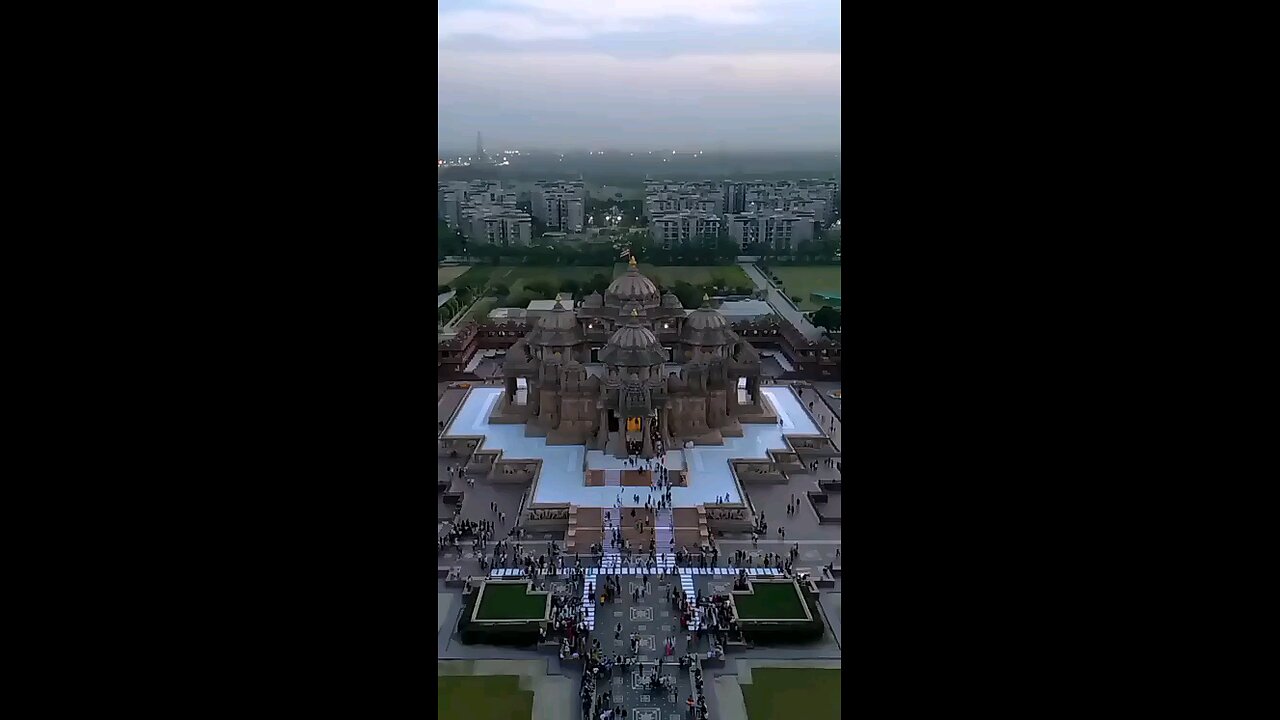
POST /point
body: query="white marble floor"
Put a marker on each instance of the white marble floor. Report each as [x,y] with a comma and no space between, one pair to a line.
[562,474]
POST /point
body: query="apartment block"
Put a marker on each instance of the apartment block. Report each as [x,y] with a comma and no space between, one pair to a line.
[497,227]
[560,204]
[683,228]
[778,229]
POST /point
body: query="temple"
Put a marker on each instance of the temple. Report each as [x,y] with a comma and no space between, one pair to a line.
[631,373]
[600,400]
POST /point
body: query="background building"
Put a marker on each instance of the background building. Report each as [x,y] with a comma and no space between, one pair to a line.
[560,204]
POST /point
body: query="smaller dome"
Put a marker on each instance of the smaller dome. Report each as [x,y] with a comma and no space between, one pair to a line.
[671,301]
[558,327]
[633,345]
[706,327]
[593,300]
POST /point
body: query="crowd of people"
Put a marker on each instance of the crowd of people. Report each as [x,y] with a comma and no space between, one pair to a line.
[478,531]
[569,616]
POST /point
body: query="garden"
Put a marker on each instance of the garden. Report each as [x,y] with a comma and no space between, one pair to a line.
[511,601]
[770,601]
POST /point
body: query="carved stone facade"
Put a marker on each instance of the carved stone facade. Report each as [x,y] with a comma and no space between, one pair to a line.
[659,366]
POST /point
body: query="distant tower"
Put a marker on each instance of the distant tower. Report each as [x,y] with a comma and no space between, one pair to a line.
[479,146]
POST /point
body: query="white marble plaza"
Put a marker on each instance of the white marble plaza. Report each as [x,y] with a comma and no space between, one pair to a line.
[562,465]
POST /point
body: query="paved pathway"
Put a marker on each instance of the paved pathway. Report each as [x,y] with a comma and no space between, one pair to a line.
[780,303]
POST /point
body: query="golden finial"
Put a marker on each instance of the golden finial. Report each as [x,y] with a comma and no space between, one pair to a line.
[632,262]
[559,297]
[634,313]
[705,297]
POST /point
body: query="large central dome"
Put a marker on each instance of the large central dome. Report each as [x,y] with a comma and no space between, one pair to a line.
[632,287]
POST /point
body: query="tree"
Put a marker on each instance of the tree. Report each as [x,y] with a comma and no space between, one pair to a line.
[543,289]
[598,283]
[499,290]
[570,286]
[449,241]
[690,295]
[827,317]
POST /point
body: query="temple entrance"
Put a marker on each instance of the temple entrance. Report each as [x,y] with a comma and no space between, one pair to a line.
[613,422]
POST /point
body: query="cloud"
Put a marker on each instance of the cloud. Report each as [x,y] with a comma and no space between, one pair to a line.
[534,20]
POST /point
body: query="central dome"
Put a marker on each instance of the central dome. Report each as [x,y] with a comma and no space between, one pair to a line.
[632,287]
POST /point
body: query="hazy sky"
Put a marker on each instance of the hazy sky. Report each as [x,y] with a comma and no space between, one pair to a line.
[639,74]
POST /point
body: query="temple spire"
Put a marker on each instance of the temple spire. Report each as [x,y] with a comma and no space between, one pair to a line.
[632,262]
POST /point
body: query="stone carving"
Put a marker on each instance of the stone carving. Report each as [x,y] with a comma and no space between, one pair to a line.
[726,514]
[549,514]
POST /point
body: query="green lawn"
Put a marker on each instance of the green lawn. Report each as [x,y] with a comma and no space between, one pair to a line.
[770,601]
[445,275]
[480,310]
[788,693]
[483,697]
[669,275]
[510,601]
[804,279]
[516,276]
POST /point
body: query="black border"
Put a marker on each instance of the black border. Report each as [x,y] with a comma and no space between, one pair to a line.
[270,357]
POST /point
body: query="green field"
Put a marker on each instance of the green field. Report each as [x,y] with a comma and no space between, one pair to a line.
[445,275]
[778,693]
[669,275]
[483,697]
[804,279]
[770,601]
[510,601]
[515,276]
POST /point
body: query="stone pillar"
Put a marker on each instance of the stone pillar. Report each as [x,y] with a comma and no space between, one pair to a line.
[535,398]
[646,437]
[602,434]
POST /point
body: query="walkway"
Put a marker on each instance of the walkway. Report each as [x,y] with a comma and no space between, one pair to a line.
[781,304]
